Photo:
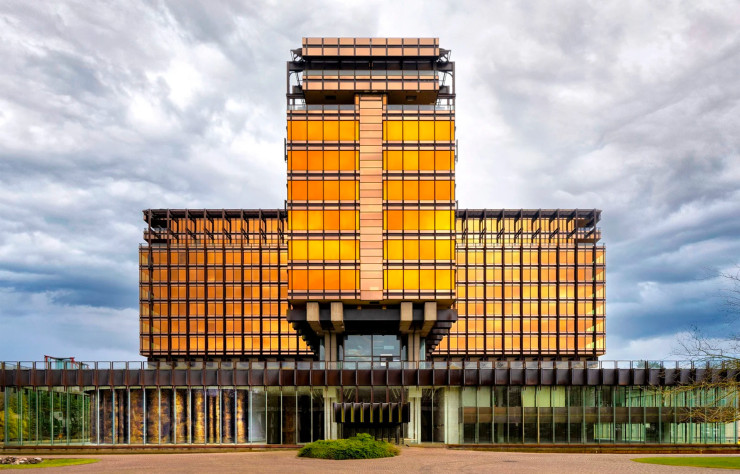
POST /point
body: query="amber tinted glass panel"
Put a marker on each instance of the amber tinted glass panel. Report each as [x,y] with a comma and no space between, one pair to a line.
[210,292]
[515,298]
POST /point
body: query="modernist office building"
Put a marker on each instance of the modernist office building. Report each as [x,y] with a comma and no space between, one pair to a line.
[370,302]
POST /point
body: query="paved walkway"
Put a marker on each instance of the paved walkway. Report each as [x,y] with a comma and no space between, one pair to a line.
[426,460]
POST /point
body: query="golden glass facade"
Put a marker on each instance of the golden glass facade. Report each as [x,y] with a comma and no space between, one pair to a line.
[323,203]
[214,284]
[371,220]
[530,283]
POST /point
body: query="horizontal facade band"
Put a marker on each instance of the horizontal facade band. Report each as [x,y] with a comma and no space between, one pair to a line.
[356,374]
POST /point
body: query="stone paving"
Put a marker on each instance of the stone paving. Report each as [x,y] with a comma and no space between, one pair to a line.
[426,460]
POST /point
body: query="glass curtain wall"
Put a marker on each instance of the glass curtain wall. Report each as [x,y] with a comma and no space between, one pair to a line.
[544,415]
[167,415]
[215,283]
[294,415]
[526,286]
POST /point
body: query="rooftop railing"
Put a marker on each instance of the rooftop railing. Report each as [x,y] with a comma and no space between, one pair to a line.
[371,73]
[360,365]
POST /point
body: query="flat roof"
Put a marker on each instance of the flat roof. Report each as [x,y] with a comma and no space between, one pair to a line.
[595,214]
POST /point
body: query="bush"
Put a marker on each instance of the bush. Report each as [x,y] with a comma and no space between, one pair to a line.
[362,446]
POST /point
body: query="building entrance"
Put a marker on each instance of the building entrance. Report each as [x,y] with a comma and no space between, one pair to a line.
[391,432]
[382,420]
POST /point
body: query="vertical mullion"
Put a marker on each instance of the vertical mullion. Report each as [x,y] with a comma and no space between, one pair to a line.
[223,283]
[169,286]
[206,347]
[97,415]
[159,415]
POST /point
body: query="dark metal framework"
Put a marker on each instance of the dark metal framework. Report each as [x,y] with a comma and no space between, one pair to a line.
[365,374]
[485,235]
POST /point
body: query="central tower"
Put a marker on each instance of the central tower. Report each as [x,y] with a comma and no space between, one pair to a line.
[371,192]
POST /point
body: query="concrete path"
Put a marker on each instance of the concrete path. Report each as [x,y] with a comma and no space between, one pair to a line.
[422,460]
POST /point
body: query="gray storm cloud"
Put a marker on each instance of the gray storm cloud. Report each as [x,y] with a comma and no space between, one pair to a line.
[108,109]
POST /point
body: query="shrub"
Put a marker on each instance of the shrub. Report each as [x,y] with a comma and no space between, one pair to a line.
[362,446]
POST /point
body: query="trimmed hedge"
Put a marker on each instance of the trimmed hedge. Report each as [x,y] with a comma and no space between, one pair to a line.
[362,446]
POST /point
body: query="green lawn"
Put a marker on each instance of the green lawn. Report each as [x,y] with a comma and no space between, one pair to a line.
[720,462]
[49,463]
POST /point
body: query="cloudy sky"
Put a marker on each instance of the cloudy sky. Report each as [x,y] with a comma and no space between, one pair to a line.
[109,108]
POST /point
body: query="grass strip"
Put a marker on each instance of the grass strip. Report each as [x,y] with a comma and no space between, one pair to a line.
[718,462]
[58,462]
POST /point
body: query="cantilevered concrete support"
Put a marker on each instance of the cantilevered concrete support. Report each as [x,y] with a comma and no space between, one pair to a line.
[430,317]
[312,317]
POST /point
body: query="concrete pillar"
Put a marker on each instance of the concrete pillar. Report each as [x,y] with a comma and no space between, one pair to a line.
[330,426]
[430,317]
[407,316]
[312,317]
[452,415]
[337,316]
[330,346]
[413,346]
[414,425]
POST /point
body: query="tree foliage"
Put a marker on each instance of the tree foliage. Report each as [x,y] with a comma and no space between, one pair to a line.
[716,378]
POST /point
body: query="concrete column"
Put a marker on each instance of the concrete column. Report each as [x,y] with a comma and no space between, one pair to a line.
[414,426]
[312,317]
[330,346]
[337,316]
[407,316]
[330,425]
[413,346]
[452,415]
[430,317]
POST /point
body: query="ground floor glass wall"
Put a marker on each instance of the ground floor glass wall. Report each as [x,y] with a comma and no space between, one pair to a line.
[594,415]
[296,415]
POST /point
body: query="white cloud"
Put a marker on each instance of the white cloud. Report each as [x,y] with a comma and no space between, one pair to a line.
[630,107]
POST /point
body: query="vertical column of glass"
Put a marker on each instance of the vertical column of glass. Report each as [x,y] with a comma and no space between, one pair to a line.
[317,414]
[274,416]
[485,416]
[559,402]
[242,415]
[590,414]
[198,415]
[545,425]
[530,416]
[151,415]
[136,415]
[258,415]
[736,402]
[604,432]
[500,414]
[11,418]
[3,420]
[304,415]
[168,413]
[76,401]
[182,415]
[212,415]
[228,418]
[515,415]
[652,415]
[469,419]
[452,421]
